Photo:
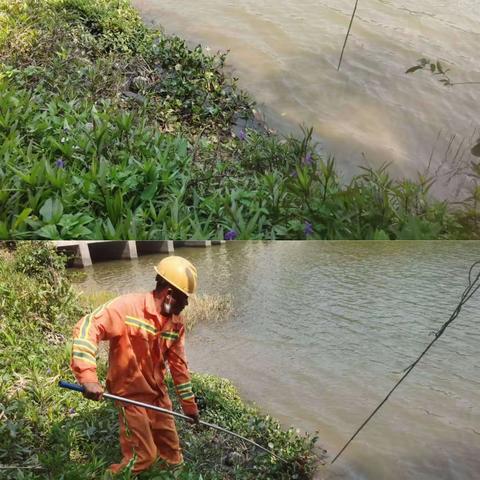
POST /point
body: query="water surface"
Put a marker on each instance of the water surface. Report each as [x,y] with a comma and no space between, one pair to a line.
[286,54]
[322,330]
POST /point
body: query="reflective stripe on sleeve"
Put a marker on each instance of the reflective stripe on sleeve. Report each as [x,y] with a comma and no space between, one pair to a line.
[142,324]
[84,345]
[84,356]
[186,387]
[87,321]
[170,335]
[186,396]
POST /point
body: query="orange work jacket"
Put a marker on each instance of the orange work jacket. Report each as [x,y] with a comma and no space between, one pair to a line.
[142,341]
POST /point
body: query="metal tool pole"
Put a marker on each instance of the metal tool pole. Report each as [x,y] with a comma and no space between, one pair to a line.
[79,388]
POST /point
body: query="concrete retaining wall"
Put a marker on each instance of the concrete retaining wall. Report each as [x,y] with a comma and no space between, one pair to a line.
[82,253]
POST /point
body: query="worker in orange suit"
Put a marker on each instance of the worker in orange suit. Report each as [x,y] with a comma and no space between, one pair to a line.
[146,332]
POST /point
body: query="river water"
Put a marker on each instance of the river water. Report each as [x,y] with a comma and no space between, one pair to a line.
[286,53]
[320,332]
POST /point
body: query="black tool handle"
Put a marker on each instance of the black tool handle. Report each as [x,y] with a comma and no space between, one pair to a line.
[71,386]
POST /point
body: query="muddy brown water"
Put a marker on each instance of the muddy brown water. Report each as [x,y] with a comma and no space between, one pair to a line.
[286,53]
[321,331]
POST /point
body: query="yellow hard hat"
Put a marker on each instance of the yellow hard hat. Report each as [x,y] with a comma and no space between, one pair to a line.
[179,272]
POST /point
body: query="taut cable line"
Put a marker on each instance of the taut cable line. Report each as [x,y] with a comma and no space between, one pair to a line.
[348,33]
[473,286]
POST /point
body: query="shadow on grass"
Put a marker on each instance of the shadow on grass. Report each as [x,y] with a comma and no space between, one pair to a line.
[82,445]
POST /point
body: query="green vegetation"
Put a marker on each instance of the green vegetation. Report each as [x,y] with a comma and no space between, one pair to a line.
[438,69]
[111,130]
[48,432]
[469,217]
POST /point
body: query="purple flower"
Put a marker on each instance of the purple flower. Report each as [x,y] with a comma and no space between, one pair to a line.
[49,371]
[308,230]
[71,411]
[60,163]
[308,160]
[230,235]
[242,135]
[294,174]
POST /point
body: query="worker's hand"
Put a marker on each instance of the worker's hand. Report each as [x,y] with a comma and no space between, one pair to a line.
[93,391]
[194,419]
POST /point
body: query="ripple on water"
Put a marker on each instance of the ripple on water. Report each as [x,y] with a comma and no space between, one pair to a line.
[323,330]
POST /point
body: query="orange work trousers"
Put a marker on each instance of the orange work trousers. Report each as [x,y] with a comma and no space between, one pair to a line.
[146,436]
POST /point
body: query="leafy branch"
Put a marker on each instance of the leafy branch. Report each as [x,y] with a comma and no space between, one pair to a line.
[436,68]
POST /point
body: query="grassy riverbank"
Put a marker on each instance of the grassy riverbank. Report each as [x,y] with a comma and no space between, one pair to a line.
[48,432]
[111,130]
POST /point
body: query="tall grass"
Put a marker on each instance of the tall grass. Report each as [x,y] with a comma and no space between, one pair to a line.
[207,309]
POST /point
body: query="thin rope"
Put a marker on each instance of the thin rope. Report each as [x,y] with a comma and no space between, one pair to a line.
[472,287]
[348,33]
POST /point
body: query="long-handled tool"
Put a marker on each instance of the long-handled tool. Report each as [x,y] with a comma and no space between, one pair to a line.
[79,388]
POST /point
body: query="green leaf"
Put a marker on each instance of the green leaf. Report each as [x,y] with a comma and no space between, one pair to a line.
[414,69]
[48,231]
[380,235]
[78,232]
[475,151]
[252,224]
[22,217]
[149,192]
[68,220]
[109,229]
[47,211]
[52,210]
[4,231]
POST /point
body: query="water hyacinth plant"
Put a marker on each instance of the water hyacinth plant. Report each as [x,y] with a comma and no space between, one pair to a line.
[109,130]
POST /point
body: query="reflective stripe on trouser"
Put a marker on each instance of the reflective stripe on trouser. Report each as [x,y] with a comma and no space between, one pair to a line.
[148,435]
